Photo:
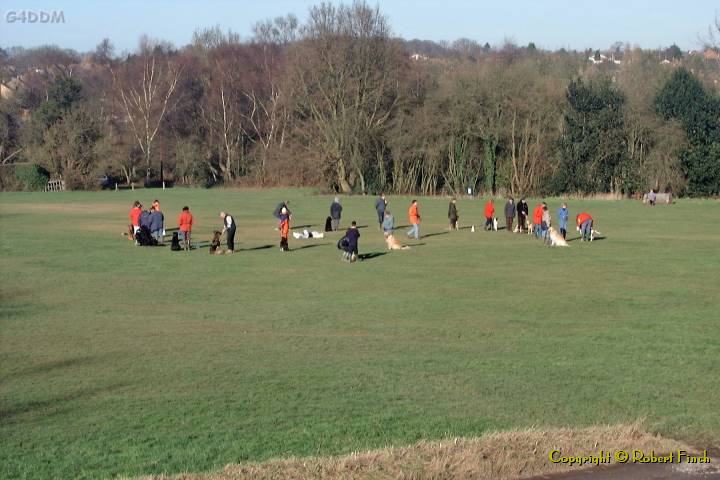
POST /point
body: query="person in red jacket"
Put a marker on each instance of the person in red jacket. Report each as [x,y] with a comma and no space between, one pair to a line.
[489,214]
[537,219]
[414,217]
[584,224]
[185,223]
[134,219]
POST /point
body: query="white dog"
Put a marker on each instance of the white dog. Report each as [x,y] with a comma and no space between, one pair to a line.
[306,234]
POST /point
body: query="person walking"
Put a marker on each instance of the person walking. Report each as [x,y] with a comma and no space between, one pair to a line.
[522,213]
[489,214]
[509,214]
[156,224]
[388,224]
[563,216]
[228,230]
[414,217]
[584,224]
[353,234]
[185,223]
[335,214]
[380,206]
[453,214]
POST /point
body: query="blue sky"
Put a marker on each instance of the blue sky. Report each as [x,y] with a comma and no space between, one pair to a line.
[550,24]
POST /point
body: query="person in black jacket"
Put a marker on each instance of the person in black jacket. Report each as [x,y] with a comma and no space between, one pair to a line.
[453,214]
[229,230]
[352,234]
[509,214]
[522,213]
[335,214]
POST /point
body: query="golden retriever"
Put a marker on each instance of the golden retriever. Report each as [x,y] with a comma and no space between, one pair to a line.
[394,244]
[556,240]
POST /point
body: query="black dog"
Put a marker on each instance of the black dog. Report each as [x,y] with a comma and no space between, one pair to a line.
[175,242]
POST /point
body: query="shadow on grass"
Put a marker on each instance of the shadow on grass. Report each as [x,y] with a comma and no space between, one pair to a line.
[297,227]
[370,256]
[311,246]
[54,405]
[596,239]
[48,367]
[261,247]
[433,234]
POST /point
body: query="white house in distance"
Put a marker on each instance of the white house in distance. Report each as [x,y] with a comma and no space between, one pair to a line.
[418,56]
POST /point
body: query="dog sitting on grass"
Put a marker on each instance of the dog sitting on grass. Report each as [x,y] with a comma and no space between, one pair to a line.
[394,244]
[215,244]
[555,239]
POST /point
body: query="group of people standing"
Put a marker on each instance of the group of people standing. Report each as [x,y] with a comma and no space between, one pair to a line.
[150,223]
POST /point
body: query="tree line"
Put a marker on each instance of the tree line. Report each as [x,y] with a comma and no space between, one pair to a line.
[339,102]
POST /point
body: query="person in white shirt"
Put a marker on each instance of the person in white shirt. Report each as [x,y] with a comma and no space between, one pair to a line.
[228,230]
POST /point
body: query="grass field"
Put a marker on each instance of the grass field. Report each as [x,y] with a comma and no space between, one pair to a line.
[121,360]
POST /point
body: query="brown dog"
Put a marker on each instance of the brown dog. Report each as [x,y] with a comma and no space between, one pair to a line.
[215,244]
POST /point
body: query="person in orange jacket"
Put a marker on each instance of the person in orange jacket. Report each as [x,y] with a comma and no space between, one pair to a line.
[185,223]
[584,224]
[284,229]
[414,217]
[537,219]
[489,214]
[134,219]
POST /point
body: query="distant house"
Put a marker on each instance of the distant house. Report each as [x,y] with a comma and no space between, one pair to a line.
[597,59]
[711,54]
[418,56]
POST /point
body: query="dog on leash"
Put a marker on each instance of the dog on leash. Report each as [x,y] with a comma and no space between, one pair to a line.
[394,244]
[555,239]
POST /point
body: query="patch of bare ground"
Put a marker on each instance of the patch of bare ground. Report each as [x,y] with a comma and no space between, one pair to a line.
[507,455]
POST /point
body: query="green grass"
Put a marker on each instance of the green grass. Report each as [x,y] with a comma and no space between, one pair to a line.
[119,360]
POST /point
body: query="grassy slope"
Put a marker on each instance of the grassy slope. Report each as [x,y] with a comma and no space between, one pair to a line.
[123,360]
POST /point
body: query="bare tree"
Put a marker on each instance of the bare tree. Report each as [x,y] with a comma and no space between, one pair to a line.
[347,71]
[146,86]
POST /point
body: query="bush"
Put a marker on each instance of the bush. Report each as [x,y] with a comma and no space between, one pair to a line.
[33,177]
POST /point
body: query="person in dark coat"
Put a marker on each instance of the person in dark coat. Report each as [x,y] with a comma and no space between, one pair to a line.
[145,219]
[509,214]
[156,224]
[453,214]
[353,234]
[277,213]
[335,214]
[522,213]
[380,206]
[229,229]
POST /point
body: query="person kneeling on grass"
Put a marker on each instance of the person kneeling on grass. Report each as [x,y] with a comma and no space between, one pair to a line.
[584,224]
[185,222]
[352,234]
